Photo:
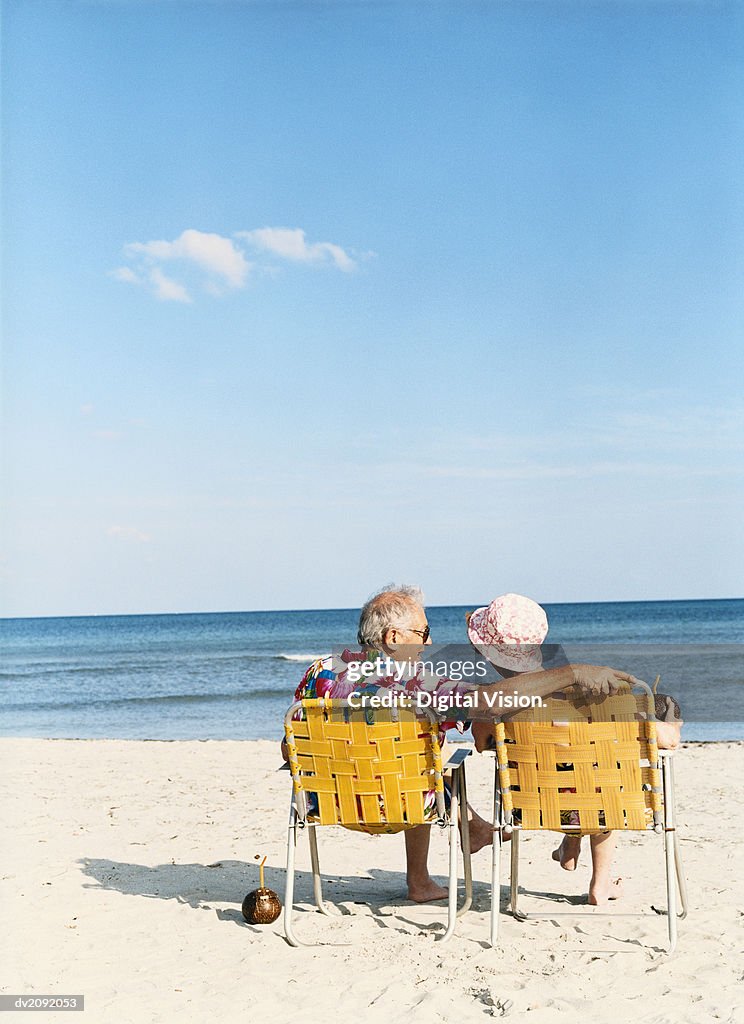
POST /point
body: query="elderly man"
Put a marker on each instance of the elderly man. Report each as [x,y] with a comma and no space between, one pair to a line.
[393,623]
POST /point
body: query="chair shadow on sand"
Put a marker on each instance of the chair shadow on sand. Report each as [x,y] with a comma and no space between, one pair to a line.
[200,886]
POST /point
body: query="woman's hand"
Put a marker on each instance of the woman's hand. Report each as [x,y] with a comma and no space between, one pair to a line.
[600,681]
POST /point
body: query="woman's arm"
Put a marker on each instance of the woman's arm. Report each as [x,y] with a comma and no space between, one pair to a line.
[592,680]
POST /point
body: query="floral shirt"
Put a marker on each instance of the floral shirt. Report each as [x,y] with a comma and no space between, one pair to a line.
[321,680]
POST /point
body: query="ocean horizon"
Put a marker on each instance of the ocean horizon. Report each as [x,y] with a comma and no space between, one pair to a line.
[231,675]
[355,609]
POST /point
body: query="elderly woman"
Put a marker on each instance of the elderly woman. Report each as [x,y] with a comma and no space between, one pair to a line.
[508,633]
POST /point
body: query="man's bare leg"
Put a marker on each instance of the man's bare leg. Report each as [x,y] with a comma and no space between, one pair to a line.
[421,886]
[567,853]
[602,887]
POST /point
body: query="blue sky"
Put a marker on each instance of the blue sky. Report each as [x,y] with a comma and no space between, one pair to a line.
[304,297]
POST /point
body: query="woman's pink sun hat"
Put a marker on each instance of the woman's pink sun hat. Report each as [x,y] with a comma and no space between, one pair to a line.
[509,632]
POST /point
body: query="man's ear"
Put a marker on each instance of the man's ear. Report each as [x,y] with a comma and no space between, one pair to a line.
[389,636]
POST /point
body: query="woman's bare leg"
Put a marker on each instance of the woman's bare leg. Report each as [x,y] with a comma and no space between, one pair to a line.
[602,887]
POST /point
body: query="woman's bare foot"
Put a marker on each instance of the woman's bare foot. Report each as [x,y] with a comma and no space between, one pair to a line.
[567,853]
[604,891]
[426,891]
[481,833]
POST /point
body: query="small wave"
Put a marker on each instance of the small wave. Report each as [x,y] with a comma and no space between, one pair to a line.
[59,669]
[168,698]
[299,657]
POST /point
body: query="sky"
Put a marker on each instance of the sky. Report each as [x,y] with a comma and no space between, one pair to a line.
[301,298]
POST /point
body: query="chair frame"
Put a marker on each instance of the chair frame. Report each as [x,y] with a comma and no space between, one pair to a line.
[299,820]
[662,762]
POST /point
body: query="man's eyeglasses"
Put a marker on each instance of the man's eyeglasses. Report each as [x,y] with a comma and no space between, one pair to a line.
[423,633]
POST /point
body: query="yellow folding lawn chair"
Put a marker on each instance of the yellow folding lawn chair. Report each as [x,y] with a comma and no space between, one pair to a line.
[578,767]
[370,771]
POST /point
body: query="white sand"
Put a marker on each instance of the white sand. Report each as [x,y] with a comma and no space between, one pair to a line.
[125,865]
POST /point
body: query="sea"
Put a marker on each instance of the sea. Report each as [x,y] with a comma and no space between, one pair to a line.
[232,675]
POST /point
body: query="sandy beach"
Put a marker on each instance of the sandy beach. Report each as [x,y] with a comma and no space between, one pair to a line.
[125,864]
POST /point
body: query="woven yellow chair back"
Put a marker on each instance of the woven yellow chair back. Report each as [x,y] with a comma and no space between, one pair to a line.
[581,767]
[372,774]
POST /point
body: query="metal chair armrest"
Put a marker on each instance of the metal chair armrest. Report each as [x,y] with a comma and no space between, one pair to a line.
[456,758]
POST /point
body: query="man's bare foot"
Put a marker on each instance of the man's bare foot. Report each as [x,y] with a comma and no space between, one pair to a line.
[567,853]
[601,893]
[426,892]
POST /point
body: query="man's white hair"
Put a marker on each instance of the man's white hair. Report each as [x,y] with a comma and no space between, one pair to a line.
[395,606]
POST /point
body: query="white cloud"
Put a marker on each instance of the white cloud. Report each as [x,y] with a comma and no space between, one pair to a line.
[129,533]
[126,274]
[216,264]
[210,252]
[166,288]
[291,244]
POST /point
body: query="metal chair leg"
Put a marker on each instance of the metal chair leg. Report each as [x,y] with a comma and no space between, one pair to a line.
[289,888]
[671,886]
[668,777]
[315,863]
[670,850]
[452,890]
[681,882]
[496,863]
[514,877]
[465,833]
